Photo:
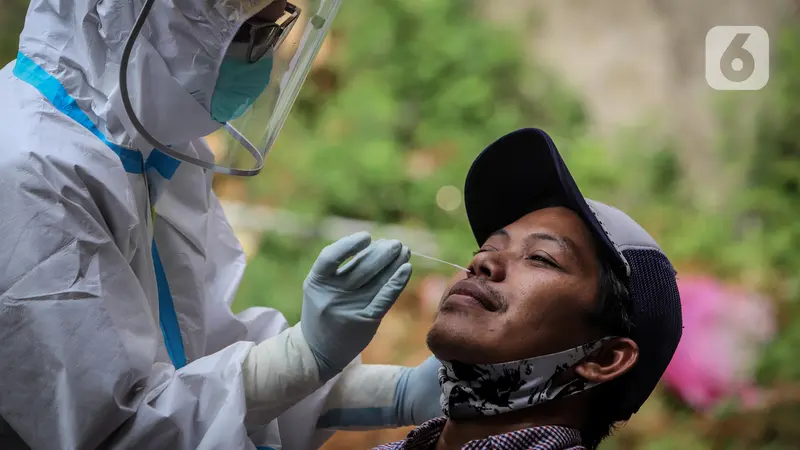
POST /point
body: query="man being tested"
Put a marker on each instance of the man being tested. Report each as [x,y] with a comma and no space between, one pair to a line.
[118,266]
[566,321]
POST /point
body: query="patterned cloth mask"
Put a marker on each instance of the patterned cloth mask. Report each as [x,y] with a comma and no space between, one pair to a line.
[476,390]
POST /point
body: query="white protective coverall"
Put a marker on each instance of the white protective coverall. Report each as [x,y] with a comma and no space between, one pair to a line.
[115,325]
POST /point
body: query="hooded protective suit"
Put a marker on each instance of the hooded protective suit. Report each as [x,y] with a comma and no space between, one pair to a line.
[117,264]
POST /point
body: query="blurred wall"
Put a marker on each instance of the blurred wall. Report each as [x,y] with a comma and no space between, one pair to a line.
[641,62]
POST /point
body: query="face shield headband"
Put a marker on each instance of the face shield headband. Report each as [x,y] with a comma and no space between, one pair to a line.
[252,121]
[479,390]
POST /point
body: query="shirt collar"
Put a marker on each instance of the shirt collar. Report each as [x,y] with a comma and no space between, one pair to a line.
[537,438]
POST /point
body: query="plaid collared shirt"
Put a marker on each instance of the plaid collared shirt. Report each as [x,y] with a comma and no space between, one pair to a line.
[425,436]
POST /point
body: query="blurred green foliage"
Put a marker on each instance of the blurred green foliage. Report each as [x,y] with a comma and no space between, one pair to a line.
[414,90]
[774,201]
[12,13]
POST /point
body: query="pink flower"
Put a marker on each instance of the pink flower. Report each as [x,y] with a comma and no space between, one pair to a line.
[724,330]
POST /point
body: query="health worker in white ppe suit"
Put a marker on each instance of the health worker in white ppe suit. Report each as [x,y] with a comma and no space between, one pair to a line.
[118,266]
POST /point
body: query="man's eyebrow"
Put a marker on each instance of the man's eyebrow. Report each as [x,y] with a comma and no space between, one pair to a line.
[564,242]
[501,232]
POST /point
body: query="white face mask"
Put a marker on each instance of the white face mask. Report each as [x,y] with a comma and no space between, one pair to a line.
[476,390]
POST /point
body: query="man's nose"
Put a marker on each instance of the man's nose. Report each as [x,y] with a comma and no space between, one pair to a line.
[491,265]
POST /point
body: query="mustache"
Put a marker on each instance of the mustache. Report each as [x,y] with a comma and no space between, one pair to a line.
[500,302]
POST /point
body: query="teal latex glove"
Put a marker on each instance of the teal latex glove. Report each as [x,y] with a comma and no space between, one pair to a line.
[418,394]
[343,306]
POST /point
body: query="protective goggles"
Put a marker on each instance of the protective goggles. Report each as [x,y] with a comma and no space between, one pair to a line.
[262,35]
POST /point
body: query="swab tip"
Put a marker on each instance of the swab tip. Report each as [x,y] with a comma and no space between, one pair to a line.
[441,261]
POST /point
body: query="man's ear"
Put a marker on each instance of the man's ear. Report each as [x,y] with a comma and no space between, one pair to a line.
[613,360]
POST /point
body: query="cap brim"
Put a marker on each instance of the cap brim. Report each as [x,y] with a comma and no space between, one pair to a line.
[520,173]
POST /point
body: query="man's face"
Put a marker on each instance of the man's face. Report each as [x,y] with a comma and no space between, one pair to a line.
[530,292]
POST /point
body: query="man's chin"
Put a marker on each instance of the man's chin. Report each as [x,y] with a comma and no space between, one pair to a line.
[449,342]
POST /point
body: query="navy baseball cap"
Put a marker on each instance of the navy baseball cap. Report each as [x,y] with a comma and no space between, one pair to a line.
[523,172]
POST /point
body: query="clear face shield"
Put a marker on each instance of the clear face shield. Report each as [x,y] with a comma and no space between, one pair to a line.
[259,79]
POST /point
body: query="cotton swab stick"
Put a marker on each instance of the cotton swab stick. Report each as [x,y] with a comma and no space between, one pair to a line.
[440,261]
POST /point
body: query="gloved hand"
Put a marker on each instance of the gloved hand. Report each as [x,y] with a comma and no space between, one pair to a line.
[343,306]
[417,397]
[371,396]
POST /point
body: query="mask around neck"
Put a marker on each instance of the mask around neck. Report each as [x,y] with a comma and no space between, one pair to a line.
[479,390]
